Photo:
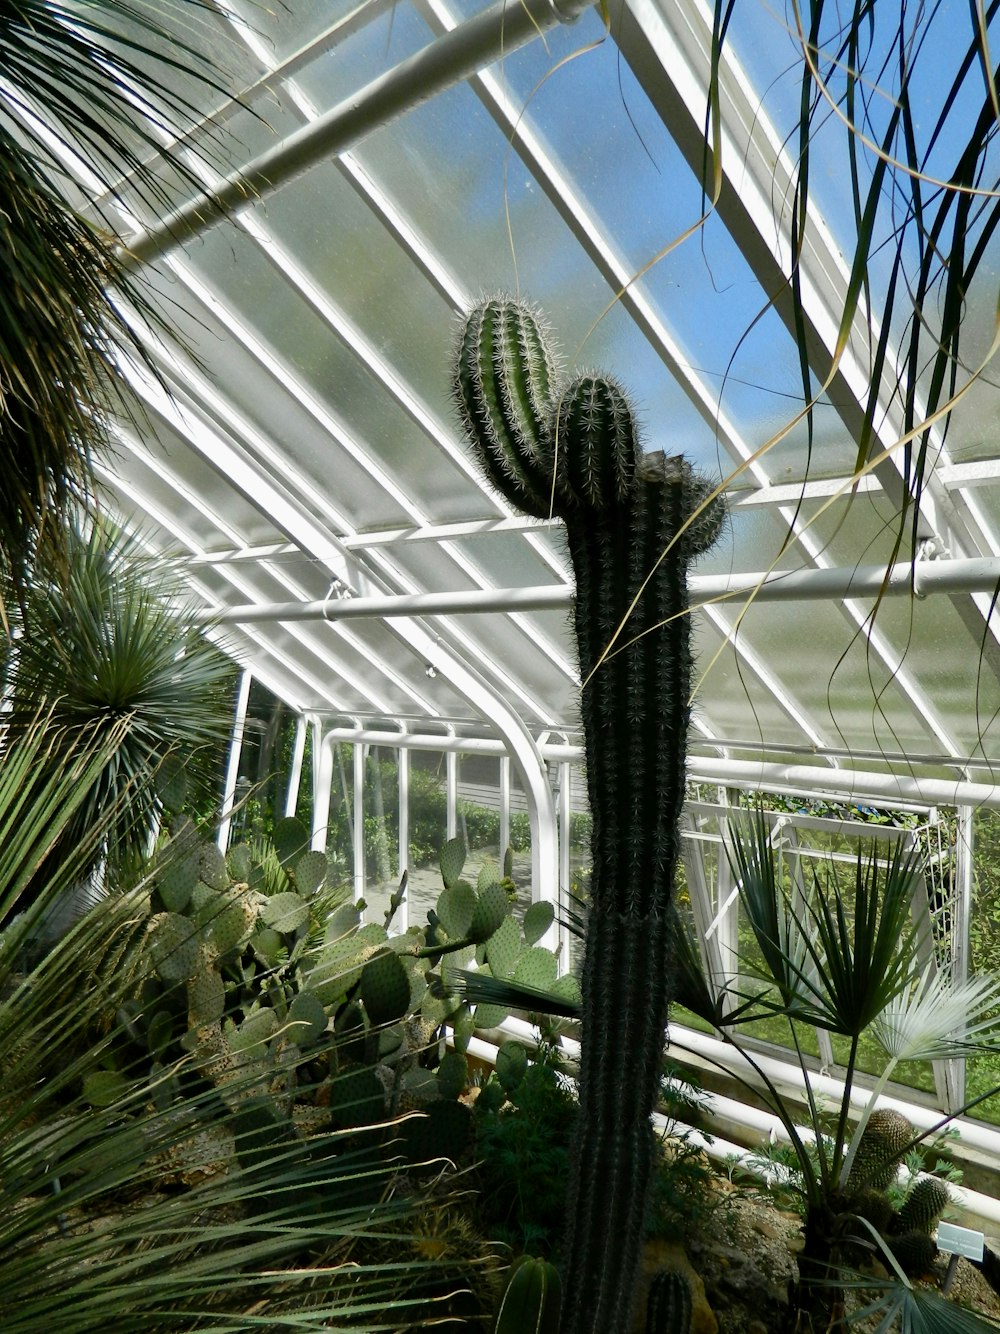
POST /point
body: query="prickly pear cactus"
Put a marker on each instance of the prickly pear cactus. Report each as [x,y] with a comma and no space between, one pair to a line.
[634,521]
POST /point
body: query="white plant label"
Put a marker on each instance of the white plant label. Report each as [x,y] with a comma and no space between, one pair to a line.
[960,1241]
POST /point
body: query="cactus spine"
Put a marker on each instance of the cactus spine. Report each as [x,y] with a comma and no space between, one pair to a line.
[670,1304]
[623,510]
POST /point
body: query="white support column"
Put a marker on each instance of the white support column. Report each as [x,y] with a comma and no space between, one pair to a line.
[233,764]
[360,878]
[451,793]
[295,773]
[322,767]
[504,805]
[564,802]
[402,918]
[961,916]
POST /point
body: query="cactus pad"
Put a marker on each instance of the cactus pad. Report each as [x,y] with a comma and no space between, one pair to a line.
[206,994]
[503,948]
[537,968]
[176,880]
[173,944]
[452,859]
[452,1075]
[285,912]
[291,839]
[385,988]
[537,920]
[455,907]
[214,870]
[492,907]
[307,1018]
[512,1064]
[310,872]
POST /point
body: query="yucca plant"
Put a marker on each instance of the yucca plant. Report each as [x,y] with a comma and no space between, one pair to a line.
[105,642]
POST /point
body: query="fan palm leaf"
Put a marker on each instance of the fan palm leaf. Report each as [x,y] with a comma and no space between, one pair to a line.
[836,960]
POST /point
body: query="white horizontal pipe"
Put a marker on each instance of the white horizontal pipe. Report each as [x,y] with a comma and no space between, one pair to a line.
[405,604]
[798,779]
[923,577]
[975,1205]
[431,741]
[845,784]
[495,32]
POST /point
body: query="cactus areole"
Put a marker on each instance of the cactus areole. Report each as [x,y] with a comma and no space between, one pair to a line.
[571,449]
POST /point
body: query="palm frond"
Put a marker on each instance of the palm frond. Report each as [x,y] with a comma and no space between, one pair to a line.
[934,1018]
[480,988]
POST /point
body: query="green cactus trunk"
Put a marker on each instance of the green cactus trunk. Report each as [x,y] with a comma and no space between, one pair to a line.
[633,522]
[635,714]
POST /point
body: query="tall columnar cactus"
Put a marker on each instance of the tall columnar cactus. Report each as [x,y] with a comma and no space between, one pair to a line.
[633,521]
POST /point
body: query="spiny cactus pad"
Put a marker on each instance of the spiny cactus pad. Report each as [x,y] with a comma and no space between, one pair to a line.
[452,860]
[537,920]
[173,944]
[492,907]
[385,988]
[310,872]
[536,968]
[452,1074]
[206,995]
[176,880]
[214,870]
[285,912]
[456,906]
[503,948]
[307,1018]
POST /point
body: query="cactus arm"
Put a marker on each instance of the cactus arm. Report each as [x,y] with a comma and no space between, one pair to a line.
[503,388]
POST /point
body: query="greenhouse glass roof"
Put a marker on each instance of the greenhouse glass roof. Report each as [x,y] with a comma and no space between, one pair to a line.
[384,164]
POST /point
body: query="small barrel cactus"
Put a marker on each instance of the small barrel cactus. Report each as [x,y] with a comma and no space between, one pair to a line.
[880,1150]
[530,1301]
[670,1303]
[924,1205]
[914,1252]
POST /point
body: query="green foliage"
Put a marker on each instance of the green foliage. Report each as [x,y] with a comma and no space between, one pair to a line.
[682,1201]
[524,1119]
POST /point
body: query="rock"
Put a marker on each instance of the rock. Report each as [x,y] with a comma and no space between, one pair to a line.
[659,1255]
